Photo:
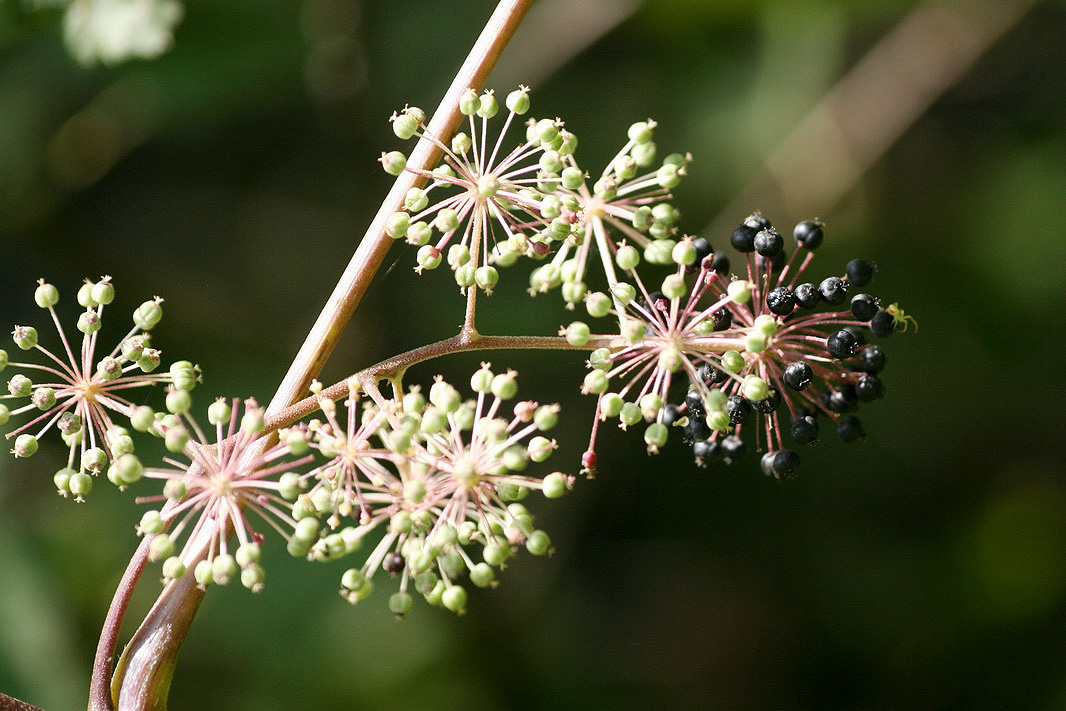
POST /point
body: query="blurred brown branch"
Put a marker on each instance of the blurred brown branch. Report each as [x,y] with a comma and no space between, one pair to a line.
[875,103]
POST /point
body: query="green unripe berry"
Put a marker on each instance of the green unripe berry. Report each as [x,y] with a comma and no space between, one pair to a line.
[173,568]
[540,448]
[755,388]
[674,286]
[248,554]
[102,292]
[624,292]
[428,257]
[25,446]
[80,485]
[600,359]
[404,125]
[546,417]
[253,577]
[518,101]
[655,436]
[178,402]
[147,315]
[505,386]
[85,295]
[454,599]
[126,469]
[396,224]
[46,295]
[660,251]
[733,361]
[718,420]
[175,439]
[496,553]
[630,414]
[488,106]
[89,322]
[161,547]
[400,603]
[547,131]
[108,368]
[25,337]
[203,573]
[62,479]
[94,459]
[219,412]
[461,143]
[644,153]
[538,543]
[5,414]
[577,334]
[566,143]
[393,162]
[486,278]
[482,575]
[739,291]
[598,304]
[765,324]
[755,342]
[43,398]
[669,176]
[306,530]
[149,360]
[627,257]
[19,385]
[223,568]
[401,522]
[650,404]
[611,405]
[151,522]
[573,178]
[133,347]
[595,382]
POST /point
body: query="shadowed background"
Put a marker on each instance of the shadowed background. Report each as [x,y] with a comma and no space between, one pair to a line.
[924,568]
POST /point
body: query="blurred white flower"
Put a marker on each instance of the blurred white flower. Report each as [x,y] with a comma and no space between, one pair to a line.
[113,31]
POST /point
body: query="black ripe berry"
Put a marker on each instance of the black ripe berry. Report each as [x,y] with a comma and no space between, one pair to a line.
[864,306]
[697,429]
[850,429]
[720,263]
[871,359]
[768,404]
[703,250]
[768,243]
[743,238]
[842,400]
[785,464]
[711,374]
[869,387]
[670,414]
[780,301]
[842,344]
[834,290]
[738,408]
[805,430]
[774,263]
[723,318]
[706,451]
[860,272]
[798,375]
[883,324]
[809,234]
[807,295]
[393,563]
[694,404]
[733,448]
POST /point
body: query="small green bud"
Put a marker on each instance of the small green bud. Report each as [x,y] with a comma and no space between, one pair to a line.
[650,405]
[252,420]
[5,414]
[660,251]
[184,375]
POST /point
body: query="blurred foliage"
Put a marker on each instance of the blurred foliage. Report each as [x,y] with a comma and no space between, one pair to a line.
[922,569]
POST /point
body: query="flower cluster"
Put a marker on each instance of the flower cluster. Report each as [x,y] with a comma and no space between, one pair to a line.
[209,498]
[437,480]
[530,201]
[80,388]
[740,352]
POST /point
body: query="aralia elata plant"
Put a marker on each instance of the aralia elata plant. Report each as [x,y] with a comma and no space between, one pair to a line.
[429,488]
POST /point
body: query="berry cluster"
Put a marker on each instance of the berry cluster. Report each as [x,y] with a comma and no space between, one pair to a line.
[765,355]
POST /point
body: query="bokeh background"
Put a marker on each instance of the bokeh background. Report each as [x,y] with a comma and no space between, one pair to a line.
[924,568]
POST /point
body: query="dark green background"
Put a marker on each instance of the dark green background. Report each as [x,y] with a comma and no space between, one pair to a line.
[925,568]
